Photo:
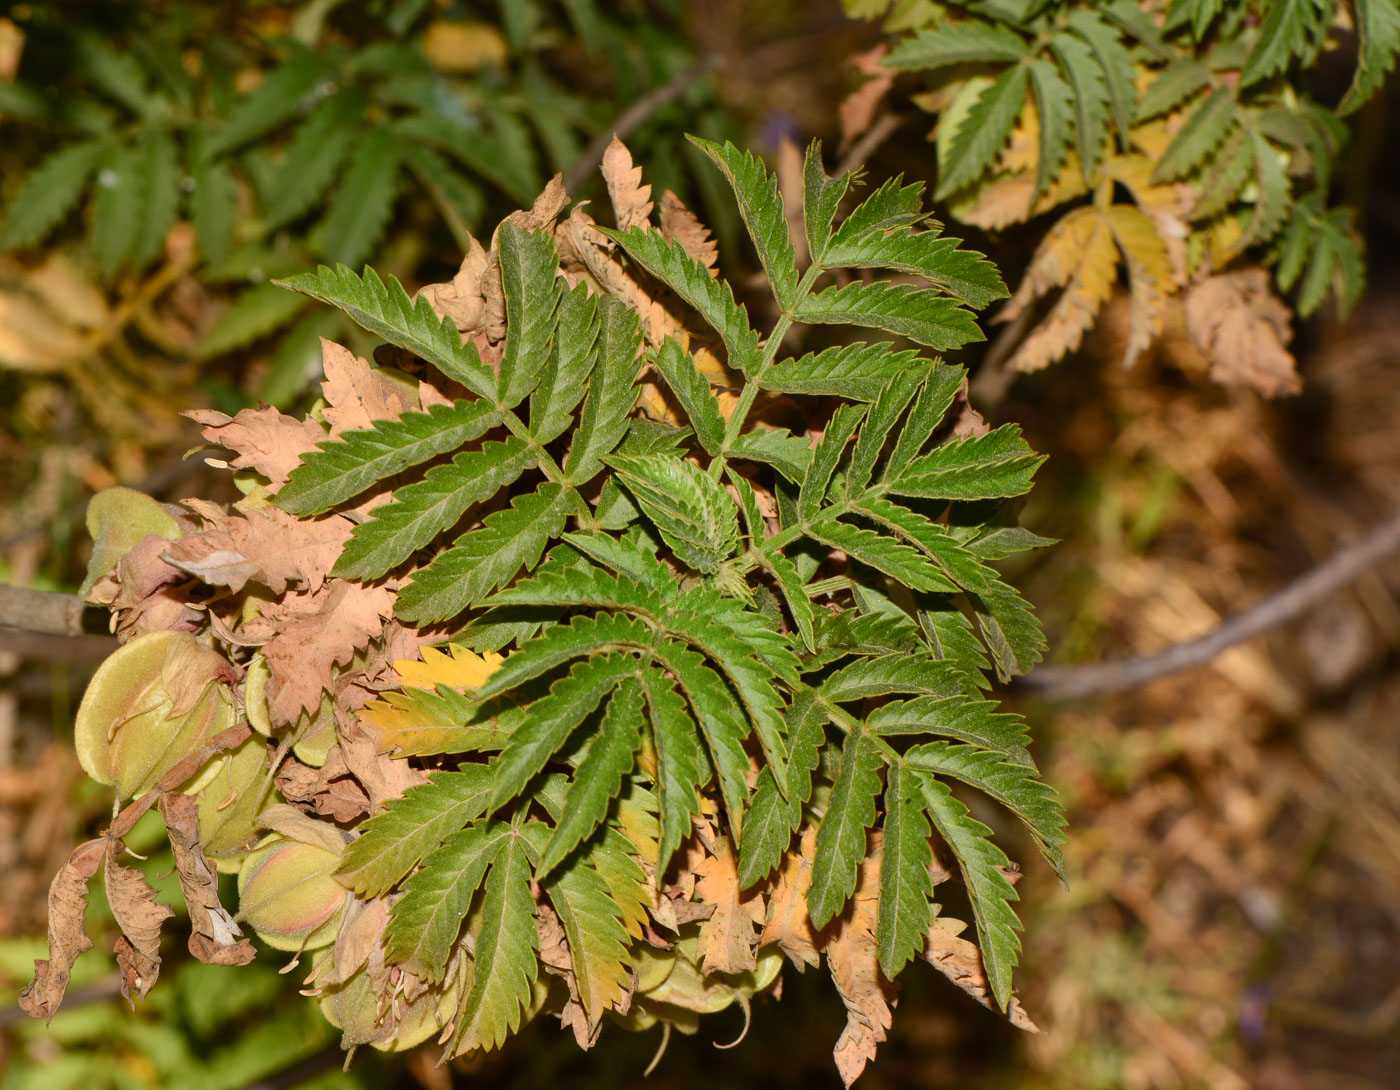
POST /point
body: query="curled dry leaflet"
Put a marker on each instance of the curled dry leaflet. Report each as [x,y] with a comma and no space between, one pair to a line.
[589,655]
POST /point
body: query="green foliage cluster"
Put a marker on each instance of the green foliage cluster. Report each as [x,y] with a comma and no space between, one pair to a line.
[661,631]
[284,137]
[1200,110]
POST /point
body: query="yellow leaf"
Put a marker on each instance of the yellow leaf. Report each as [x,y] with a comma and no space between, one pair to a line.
[1149,275]
[456,667]
[1078,254]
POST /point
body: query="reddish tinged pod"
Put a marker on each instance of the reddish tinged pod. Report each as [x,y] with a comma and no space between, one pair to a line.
[152,703]
[355,1010]
[288,895]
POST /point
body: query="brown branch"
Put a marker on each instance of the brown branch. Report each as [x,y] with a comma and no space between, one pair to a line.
[43,611]
[869,141]
[633,116]
[1343,566]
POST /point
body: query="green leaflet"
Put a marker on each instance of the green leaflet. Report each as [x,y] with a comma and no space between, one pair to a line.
[833,442]
[504,962]
[386,310]
[966,275]
[362,203]
[693,513]
[906,884]
[345,466]
[975,468]
[892,204]
[856,371]
[271,102]
[713,299]
[257,312]
[611,392]
[1202,134]
[967,42]
[600,774]
[391,844]
[1080,66]
[213,207]
[427,919]
[571,360]
[1010,630]
[1012,783]
[876,427]
[50,191]
[551,719]
[1378,29]
[1176,83]
[1290,28]
[841,838]
[681,768]
[313,156]
[886,674]
[530,280]
[1115,66]
[896,560]
[921,314]
[484,559]
[592,920]
[789,454]
[984,131]
[967,719]
[1054,100]
[980,861]
[424,509]
[761,207]
[772,819]
[692,390]
[821,196]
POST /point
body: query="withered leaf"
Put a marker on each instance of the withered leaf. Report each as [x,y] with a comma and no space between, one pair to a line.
[214,936]
[960,961]
[356,394]
[309,634]
[631,200]
[267,546]
[1243,328]
[727,937]
[68,894]
[852,957]
[787,922]
[140,916]
[680,224]
[264,440]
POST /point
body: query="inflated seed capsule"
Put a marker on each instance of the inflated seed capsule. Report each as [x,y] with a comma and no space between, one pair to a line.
[152,703]
[355,1010]
[286,893]
[229,805]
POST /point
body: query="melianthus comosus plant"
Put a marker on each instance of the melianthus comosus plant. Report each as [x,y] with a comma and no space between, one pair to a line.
[708,685]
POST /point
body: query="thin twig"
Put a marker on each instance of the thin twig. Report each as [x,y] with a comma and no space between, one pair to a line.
[871,139]
[1090,679]
[633,116]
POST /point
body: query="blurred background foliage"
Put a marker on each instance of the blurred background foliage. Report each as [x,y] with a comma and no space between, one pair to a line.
[1233,914]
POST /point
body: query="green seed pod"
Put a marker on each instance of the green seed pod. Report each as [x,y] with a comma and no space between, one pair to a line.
[354,1009]
[153,702]
[117,519]
[255,696]
[315,734]
[288,895]
[229,805]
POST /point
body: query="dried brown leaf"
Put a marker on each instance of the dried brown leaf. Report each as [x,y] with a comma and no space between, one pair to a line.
[853,959]
[787,922]
[139,915]
[858,109]
[727,938]
[68,894]
[307,634]
[1243,328]
[631,200]
[356,394]
[214,936]
[960,961]
[680,224]
[266,546]
[264,440]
